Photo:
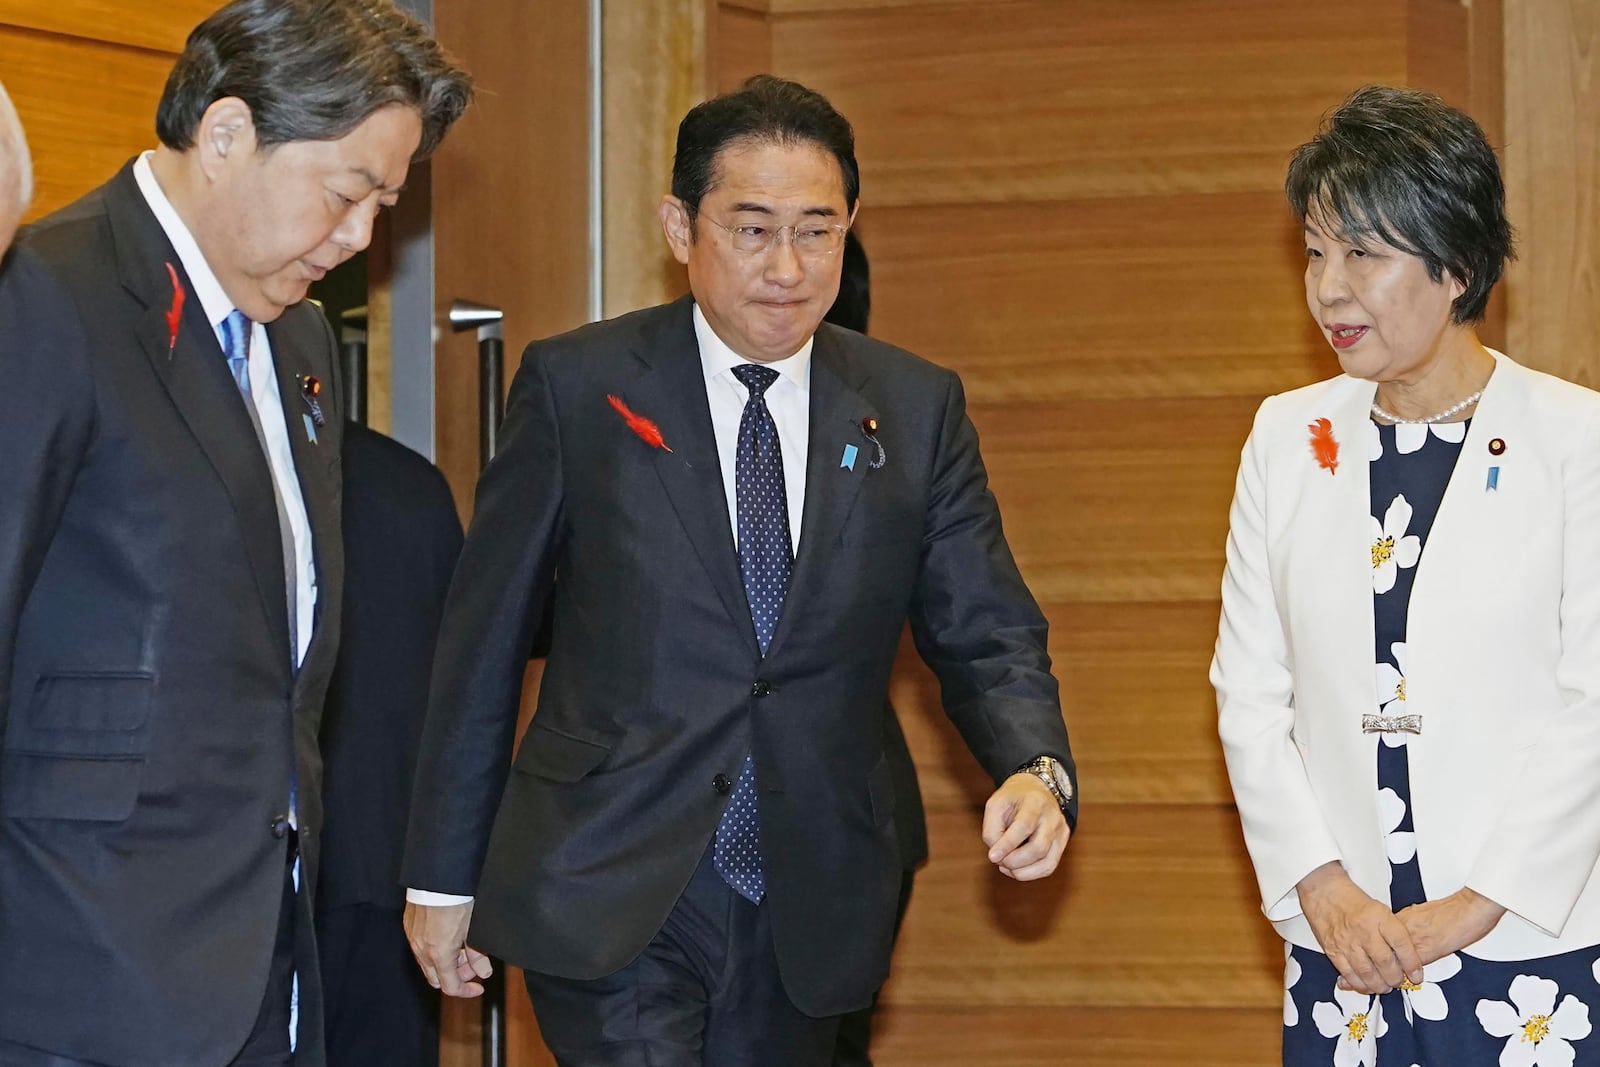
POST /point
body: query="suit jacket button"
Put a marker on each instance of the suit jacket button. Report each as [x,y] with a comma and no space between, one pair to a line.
[761,688]
[722,785]
[280,827]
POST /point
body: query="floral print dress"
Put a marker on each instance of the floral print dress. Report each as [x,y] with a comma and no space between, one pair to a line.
[1466,1012]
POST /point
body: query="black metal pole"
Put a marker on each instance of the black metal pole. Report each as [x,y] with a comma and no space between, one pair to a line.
[354,355]
[491,409]
[491,392]
[465,315]
[353,362]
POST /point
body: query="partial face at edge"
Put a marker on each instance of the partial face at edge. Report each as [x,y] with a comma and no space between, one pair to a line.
[16,172]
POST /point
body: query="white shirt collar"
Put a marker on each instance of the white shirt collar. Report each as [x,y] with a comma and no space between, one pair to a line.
[204,281]
[716,357]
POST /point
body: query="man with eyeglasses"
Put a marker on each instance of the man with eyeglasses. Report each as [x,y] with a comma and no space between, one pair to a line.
[735,509]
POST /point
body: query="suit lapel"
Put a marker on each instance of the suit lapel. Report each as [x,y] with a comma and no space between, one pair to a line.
[837,408]
[673,394]
[1484,501]
[290,341]
[195,375]
[1330,582]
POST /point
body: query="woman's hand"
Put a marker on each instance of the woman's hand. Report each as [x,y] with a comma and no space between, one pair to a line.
[1440,927]
[1369,945]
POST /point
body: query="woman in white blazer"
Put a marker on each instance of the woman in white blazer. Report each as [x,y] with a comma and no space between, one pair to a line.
[1408,663]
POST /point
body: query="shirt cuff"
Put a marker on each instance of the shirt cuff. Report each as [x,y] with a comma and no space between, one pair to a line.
[435,900]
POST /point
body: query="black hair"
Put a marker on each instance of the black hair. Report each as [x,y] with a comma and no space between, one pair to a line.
[853,306]
[763,109]
[1405,168]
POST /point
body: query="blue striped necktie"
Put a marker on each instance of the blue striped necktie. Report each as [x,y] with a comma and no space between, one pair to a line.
[236,331]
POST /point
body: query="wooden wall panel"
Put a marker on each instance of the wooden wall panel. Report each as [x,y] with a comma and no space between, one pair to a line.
[1127,511]
[1118,927]
[1552,92]
[88,107]
[1032,300]
[655,71]
[156,27]
[1100,98]
[1080,1037]
[1134,690]
[511,200]
[744,48]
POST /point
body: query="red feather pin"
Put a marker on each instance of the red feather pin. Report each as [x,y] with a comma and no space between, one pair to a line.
[1323,445]
[175,312]
[648,432]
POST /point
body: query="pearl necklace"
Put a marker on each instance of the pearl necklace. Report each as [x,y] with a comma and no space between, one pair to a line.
[1445,414]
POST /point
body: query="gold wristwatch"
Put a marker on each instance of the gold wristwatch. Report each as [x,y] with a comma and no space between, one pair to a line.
[1049,770]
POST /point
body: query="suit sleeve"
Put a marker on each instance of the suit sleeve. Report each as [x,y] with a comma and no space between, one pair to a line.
[45,435]
[1283,824]
[973,619]
[496,600]
[1543,850]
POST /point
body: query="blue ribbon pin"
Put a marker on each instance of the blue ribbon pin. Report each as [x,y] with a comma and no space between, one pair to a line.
[311,429]
[1493,484]
[848,462]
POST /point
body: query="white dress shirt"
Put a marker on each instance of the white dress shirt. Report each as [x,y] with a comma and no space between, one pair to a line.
[789,401]
[263,393]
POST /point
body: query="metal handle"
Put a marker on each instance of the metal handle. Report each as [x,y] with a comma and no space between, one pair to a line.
[490,323]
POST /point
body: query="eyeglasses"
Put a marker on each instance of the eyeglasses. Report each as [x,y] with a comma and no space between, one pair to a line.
[810,240]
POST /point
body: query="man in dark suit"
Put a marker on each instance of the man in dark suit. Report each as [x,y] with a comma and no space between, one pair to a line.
[401,540]
[852,309]
[170,562]
[695,856]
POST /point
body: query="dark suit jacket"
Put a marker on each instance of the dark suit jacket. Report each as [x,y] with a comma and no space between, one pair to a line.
[150,711]
[655,685]
[401,538]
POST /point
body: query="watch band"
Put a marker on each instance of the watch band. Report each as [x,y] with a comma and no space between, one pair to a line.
[1049,771]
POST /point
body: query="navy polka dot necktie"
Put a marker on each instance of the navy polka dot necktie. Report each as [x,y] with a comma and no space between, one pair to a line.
[766,558]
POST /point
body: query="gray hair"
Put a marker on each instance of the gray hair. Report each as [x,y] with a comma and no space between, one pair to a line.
[312,70]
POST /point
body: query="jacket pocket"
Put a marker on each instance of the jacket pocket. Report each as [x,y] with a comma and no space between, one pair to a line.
[558,756]
[41,786]
[92,701]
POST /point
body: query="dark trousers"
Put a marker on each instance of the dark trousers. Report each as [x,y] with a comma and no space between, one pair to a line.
[378,1007]
[268,1043]
[705,992]
[855,1029]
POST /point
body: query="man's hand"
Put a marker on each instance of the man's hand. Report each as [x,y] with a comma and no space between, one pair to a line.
[1369,945]
[1024,829]
[438,939]
[1440,927]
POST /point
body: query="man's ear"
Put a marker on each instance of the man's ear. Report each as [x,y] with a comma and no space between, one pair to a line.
[677,226]
[227,133]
